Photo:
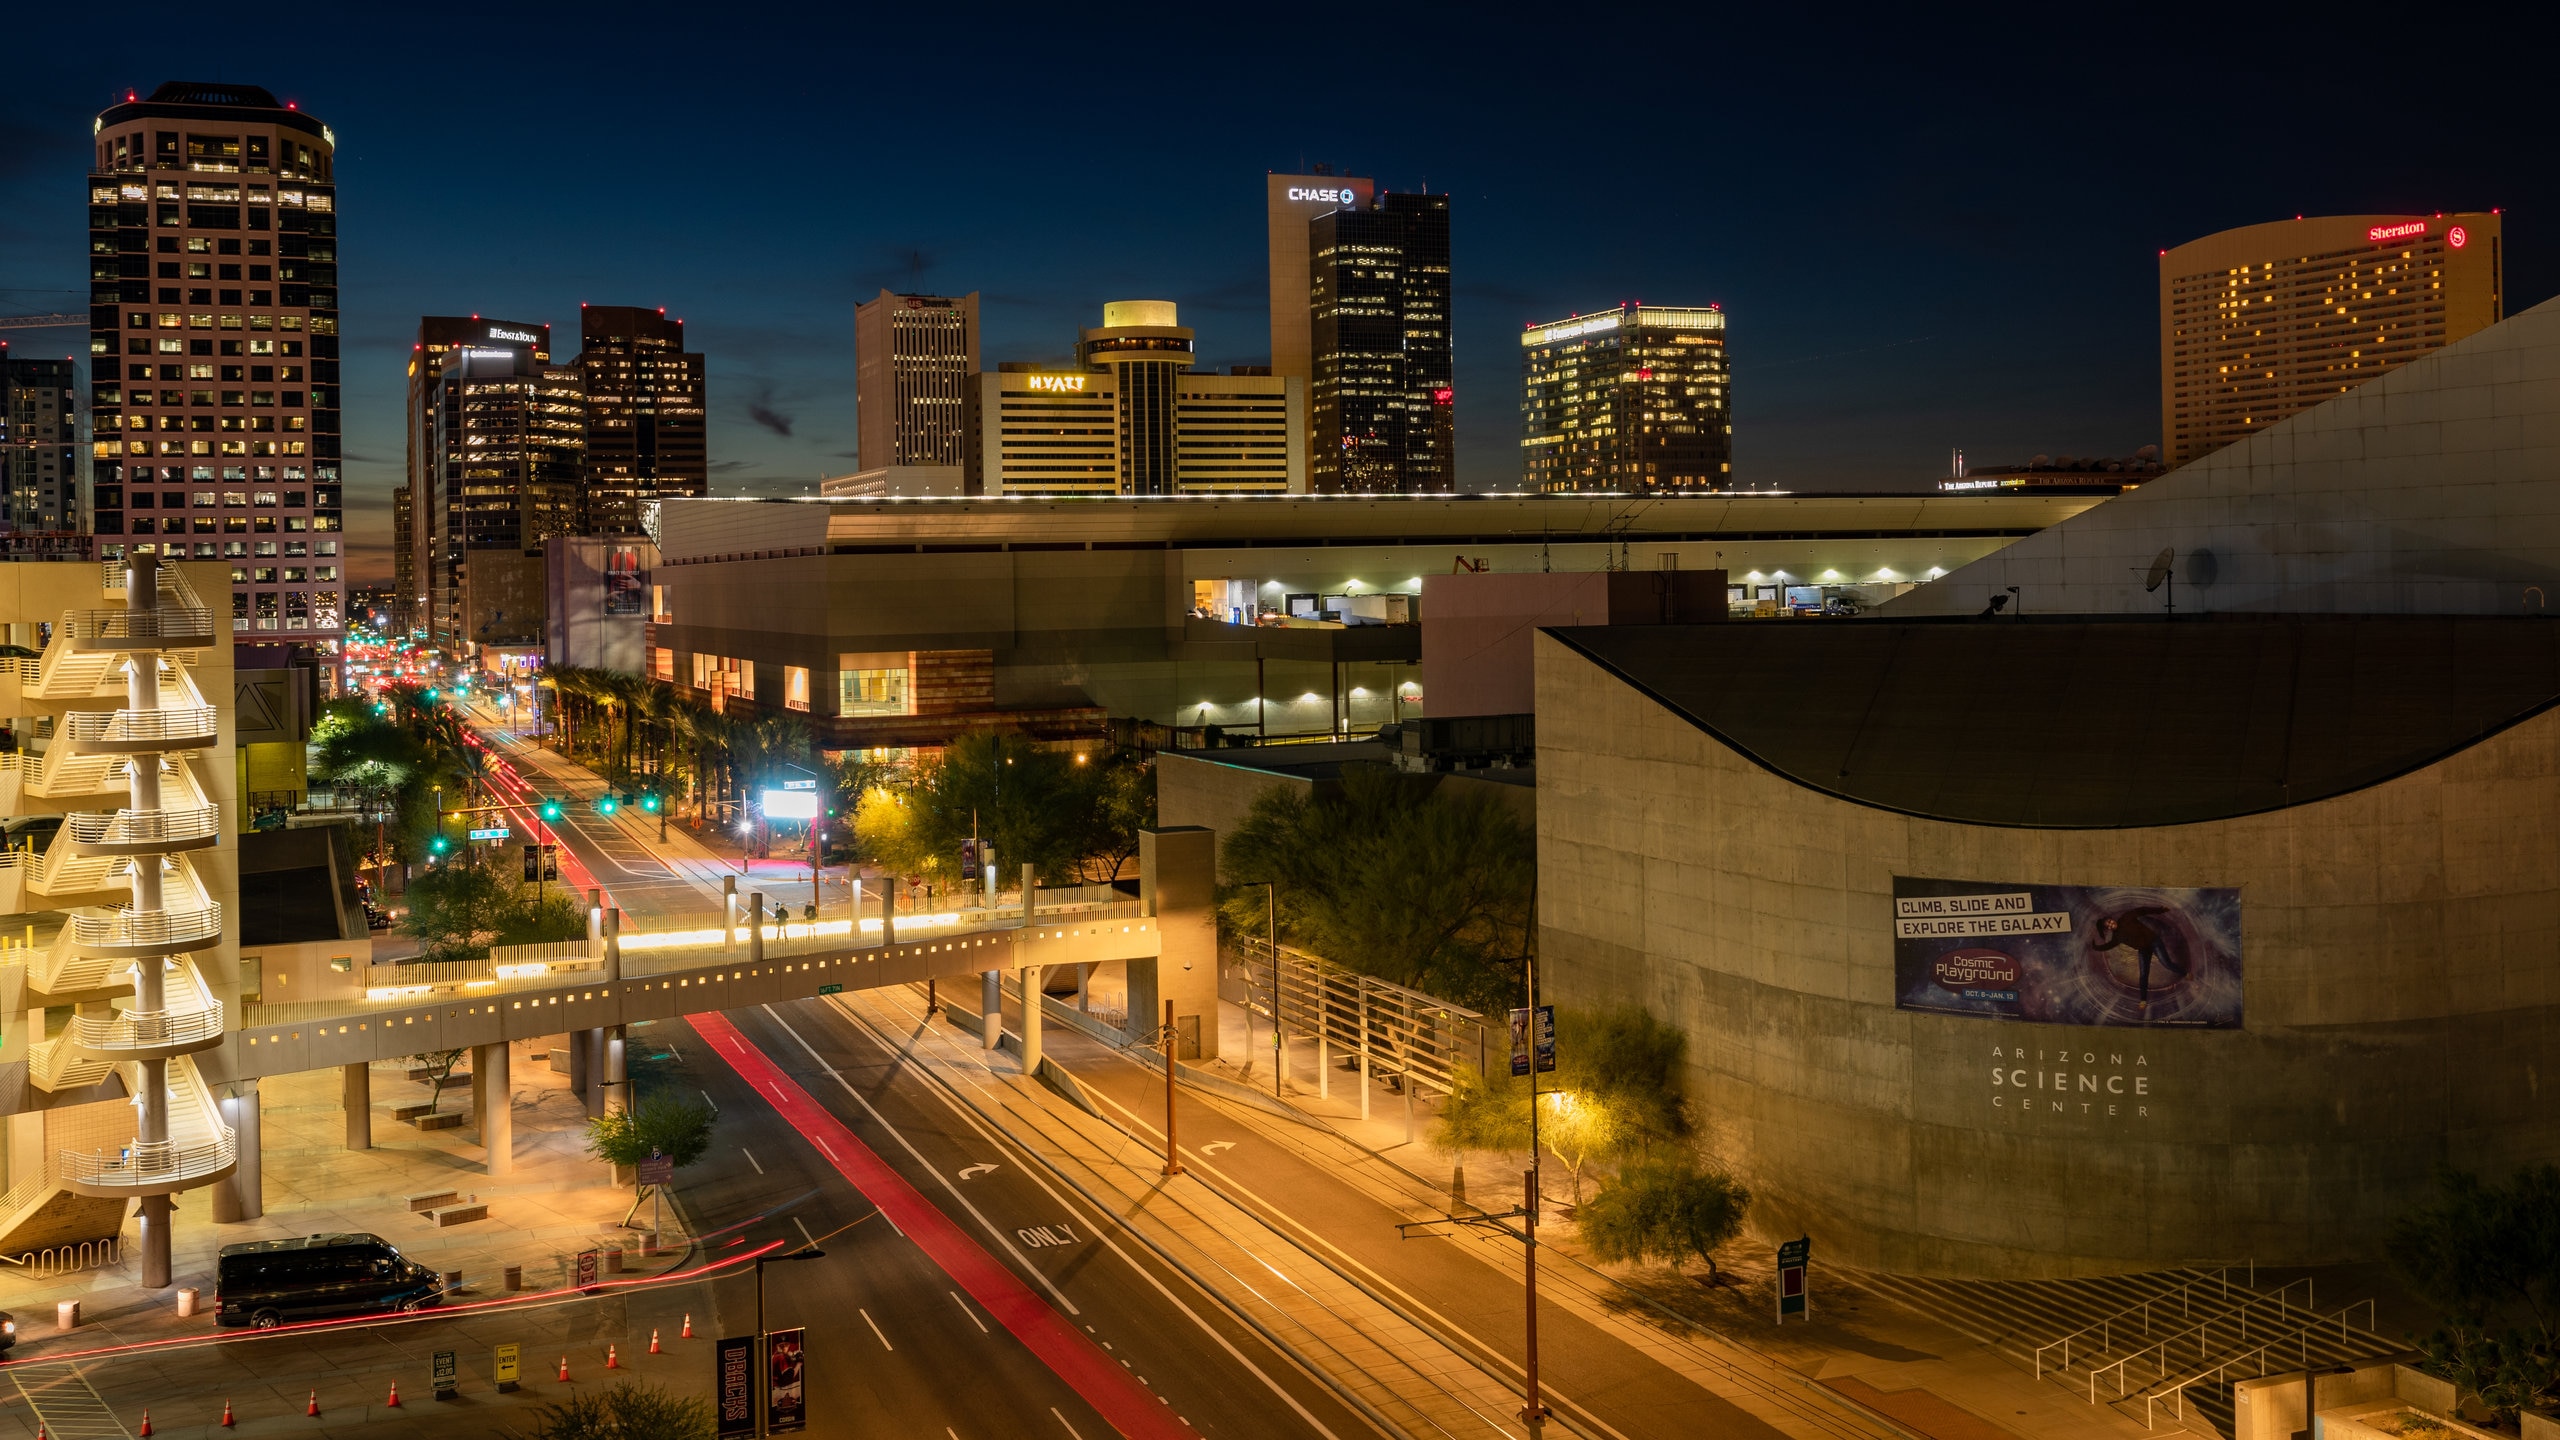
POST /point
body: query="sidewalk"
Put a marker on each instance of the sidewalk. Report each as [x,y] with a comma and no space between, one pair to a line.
[555,1204]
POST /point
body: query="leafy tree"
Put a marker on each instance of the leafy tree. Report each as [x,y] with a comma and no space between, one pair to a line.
[627,1411]
[2488,1257]
[1669,1209]
[1617,1090]
[439,1067]
[1065,813]
[669,1125]
[464,906]
[1383,875]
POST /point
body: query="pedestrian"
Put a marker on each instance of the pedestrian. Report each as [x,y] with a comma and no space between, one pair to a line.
[781,921]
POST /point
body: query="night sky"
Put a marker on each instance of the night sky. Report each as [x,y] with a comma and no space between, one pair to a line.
[1928,233]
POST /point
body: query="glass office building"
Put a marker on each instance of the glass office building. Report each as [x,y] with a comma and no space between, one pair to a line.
[1631,399]
[1381,404]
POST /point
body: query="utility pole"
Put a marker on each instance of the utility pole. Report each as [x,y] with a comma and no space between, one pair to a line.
[1535,1411]
[1172,1154]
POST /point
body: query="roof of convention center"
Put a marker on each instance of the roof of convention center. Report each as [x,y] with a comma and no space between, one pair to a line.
[2082,724]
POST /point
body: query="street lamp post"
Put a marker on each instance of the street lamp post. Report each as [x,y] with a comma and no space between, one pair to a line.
[1271,933]
[804,1253]
[1172,1155]
[1535,1411]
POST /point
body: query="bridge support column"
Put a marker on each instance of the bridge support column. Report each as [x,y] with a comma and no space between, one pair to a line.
[153,1222]
[1177,884]
[1031,983]
[582,1075]
[616,1090]
[613,947]
[357,1094]
[242,1196]
[888,911]
[991,1008]
[495,1105]
[728,913]
[755,928]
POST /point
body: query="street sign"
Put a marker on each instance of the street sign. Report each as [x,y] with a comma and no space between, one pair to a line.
[532,863]
[447,1382]
[508,1361]
[786,1406]
[586,1269]
[494,832]
[657,1170]
[830,989]
[550,862]
[1533,1040]
[1794,1295]
[734,1378]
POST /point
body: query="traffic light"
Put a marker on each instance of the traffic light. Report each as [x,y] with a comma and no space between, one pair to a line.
[438,845]
[607,804]
[429,696]
[650,802]
[551,810]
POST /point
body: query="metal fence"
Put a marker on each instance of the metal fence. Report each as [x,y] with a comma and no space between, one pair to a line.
[1359,1021]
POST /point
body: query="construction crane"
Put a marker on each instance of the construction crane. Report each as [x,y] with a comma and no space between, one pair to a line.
[44,322]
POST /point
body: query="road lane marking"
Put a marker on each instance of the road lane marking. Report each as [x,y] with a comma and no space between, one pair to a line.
[997,1287]
[1071,1429]
[898,1057]
[965,1310]
[875,1329]
[972,1171]
[751,1158]
[810,1240]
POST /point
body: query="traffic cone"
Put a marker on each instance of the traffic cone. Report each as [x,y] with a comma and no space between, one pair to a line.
[226,1413]
[145,1431]
[564,1368]
[653,1340]
[314,1407]
[688,1326]
[612,1361]
[394,1402]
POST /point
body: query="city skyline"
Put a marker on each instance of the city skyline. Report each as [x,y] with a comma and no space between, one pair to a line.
[1967,239]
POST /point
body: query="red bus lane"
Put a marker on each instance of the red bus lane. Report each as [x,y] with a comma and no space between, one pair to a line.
[1132,1409]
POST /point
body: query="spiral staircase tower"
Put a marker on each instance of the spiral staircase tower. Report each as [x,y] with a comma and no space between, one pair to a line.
[142,952]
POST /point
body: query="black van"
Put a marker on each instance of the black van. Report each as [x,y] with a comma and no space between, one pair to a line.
[264,1283]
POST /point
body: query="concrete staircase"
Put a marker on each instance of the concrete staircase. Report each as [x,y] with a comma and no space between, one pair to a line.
[2162,1347]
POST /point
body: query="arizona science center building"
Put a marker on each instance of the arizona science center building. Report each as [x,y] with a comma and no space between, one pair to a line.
[2102,937]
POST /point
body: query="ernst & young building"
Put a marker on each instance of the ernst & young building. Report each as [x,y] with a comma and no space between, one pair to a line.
[1634,398]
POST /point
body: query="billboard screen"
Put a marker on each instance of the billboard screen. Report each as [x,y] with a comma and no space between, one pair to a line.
[2068,954]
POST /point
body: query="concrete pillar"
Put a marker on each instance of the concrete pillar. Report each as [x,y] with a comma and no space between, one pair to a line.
[728,913]
[357,1094]
[755,928]
[496,1105]
[991,1008]
[1177,885]
[987,870]
[616,1090]
[1084,988]
[1028,875]
[595,922]
[1030,1019]
[153,1222]
[888,911]
[581,1079]
[613,946]
[243,1196]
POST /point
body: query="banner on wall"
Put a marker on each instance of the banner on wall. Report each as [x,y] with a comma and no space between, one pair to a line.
[2156,956]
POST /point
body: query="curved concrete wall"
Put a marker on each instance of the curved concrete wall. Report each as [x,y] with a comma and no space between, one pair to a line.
[2402,976]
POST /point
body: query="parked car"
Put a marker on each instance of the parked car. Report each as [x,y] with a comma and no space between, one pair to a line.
[264,1283]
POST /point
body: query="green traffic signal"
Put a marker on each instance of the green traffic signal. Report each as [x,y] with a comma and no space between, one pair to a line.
[649,803]
[429,696]
[606,804]
[438,845]
[550,809]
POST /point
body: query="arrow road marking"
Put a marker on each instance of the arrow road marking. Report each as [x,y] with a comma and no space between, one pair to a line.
[1214,1146]
[969,1171]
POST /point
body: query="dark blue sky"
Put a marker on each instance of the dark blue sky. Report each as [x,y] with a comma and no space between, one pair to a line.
[1928,232]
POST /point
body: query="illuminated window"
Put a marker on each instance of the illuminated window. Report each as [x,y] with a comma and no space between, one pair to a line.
[795,687]
[873,685]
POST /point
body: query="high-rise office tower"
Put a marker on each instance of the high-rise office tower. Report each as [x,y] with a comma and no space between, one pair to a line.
[213,297]
[1291,201]
[431,577]
[915,358]
[39,445]
[2267,320]
[509,440]
[1630,399]
[1382,401]
[645,431]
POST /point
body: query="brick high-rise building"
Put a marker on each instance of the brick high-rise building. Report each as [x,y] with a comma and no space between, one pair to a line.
[213,263]
[39,445]
[646,438]
[2267,320]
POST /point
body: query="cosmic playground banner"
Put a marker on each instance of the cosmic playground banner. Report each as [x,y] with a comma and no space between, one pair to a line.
[2068,954]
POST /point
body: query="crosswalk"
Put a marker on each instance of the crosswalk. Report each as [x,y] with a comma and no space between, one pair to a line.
[66,1404]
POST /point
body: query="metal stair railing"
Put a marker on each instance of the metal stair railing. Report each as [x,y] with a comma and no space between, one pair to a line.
[179,723]
[2203,1336]
[144,827]
[2152,1401]
[148,626]
[2219,1276]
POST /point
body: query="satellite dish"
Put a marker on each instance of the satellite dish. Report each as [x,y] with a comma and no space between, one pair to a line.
[2159,569]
